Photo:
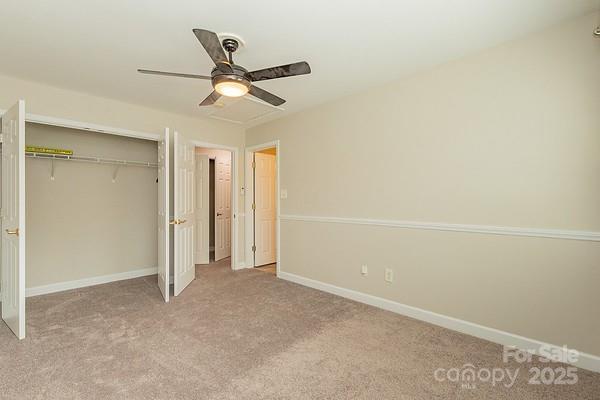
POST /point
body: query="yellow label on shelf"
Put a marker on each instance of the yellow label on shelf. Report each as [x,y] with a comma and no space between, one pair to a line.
[47,150]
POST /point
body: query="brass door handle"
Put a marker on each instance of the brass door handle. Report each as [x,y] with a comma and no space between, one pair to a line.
[13,231]
[177,222]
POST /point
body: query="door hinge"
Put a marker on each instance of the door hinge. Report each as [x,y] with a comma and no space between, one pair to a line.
[254,206]
[254,248]
[253,164]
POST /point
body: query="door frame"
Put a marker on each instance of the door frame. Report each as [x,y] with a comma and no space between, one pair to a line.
[249,193]
[234,196]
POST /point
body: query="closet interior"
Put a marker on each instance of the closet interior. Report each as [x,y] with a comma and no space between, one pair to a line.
[91,205]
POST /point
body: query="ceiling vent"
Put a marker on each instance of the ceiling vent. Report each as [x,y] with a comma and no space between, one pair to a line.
[241,110]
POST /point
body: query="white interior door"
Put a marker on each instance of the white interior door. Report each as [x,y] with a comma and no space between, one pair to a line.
[202,211]
[184,270]
[13,219]
[222,207]
[264,213]
[163,215]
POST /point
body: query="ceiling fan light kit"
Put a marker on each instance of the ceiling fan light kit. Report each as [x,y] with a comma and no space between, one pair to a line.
[232,80]
[231,86]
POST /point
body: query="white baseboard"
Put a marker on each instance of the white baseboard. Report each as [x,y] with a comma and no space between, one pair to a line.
[585,361]
[97,280]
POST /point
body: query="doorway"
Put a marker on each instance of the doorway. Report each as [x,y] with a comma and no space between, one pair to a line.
[213,202]
[262,199]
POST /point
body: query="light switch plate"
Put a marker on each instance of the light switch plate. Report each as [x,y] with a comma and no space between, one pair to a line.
[283,193]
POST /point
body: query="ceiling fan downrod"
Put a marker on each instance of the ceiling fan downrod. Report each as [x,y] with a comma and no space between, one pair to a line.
[230,46]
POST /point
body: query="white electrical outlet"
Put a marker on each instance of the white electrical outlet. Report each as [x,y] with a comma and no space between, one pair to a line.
[364,270]
[389,275]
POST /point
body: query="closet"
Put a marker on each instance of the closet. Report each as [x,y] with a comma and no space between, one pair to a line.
[79,207]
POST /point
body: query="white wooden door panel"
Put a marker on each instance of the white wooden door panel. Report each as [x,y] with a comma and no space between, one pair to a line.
[13,221]
[222,207]
[163,215]
[202,210]
[264,213]
[184,270]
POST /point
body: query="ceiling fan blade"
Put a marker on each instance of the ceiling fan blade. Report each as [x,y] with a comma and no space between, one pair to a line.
[266,96]
[149,71]
[212,45]
[210,100]
[299,68]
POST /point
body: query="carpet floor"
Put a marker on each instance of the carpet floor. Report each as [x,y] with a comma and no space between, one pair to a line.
[245,335]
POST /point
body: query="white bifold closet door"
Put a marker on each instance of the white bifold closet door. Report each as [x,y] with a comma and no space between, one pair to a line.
[222,207]
[163,215]
[264,213]
[13,219]
[184,269]
[202,211]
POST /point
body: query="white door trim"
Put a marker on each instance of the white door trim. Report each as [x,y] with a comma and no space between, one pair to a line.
[88,126]
[234,195]
[249,193]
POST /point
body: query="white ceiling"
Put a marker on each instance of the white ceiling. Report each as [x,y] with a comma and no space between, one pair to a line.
[96,45]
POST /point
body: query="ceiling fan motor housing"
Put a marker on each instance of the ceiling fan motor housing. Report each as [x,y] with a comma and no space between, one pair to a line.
[237,74]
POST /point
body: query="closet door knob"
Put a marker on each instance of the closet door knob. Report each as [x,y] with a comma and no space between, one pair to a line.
[13,231]
[219,214]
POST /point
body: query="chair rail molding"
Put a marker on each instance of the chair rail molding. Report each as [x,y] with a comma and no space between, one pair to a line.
[445,227]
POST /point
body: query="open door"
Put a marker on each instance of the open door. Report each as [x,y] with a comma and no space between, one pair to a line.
[163,215]
[264,213]
[202,211]
[13,214]
[184,270]
[222,207]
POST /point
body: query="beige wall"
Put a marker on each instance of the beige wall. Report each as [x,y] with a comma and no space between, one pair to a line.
[81,224]
[508,137]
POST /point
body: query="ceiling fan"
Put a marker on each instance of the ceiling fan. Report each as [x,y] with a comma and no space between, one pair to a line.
[232,80]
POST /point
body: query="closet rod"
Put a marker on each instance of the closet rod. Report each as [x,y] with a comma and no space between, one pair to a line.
[95,160]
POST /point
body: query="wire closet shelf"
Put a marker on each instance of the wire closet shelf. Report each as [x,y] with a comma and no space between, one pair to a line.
[94,160]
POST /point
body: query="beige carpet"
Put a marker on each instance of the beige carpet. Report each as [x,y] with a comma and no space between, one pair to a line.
[242,335]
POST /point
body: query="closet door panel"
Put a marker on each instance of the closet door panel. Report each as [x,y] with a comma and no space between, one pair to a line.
[184,271]
[163,215]
[13,222]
